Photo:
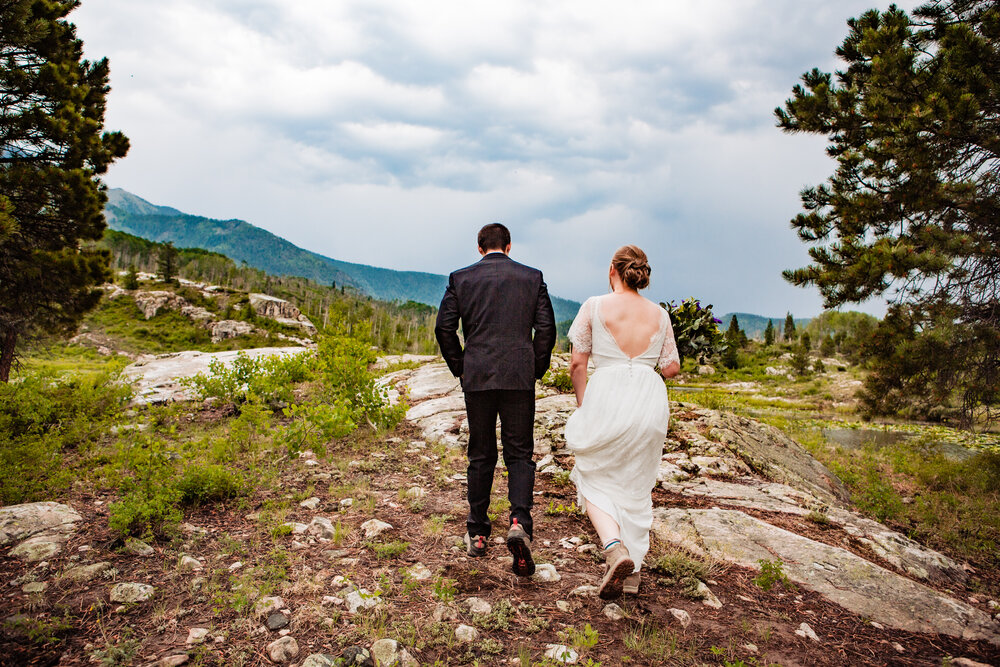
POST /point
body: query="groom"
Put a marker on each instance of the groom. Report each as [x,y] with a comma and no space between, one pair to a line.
[499,303]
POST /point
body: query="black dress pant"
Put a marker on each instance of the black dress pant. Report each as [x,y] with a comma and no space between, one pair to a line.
[516,409]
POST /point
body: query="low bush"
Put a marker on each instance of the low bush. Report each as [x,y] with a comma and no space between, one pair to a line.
[344,365]
[208,483]
[269,379]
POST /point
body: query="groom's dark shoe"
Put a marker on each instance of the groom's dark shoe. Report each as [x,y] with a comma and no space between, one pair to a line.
[475,545]
[520,548]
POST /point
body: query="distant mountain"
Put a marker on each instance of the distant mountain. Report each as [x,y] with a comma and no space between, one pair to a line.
[754,325]
[263,250]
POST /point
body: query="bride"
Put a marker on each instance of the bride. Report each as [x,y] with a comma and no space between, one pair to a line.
[618,430]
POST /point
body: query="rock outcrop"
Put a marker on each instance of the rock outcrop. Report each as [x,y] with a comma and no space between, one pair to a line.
[743,466]
[39,530]
[281,311]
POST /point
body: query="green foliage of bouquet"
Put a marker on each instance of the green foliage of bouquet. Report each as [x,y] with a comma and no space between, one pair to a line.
[696,329]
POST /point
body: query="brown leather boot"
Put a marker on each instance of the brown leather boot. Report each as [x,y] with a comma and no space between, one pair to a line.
[619,567]
[631,584]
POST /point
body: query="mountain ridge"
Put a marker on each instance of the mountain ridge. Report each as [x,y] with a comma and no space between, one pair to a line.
[261,249]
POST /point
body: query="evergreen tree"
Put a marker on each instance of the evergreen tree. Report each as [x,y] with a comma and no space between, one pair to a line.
[733,332]
[769,333]
[912,207]
[166,262]
[52,151]
[789,328]
[131,280]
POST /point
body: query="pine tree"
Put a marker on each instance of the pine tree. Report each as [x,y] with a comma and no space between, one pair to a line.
[789,328]
[912,207]
[166,262]
[52,152]
[769,333]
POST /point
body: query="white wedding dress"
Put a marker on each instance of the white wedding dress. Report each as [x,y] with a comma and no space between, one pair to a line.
[617,435]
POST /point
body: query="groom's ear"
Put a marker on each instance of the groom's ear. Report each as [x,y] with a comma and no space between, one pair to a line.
[506,250]
[482,253]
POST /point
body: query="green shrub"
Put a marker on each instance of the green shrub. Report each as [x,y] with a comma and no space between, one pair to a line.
[313,424]
[696,330]
[559,380]
[771,573]
[343,363]
[207,483]
[149,495]
[269,379]
[42,416]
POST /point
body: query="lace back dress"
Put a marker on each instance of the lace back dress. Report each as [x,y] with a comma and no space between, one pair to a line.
[617,435]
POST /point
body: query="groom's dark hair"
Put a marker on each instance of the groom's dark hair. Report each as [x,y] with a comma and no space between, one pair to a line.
[494,236]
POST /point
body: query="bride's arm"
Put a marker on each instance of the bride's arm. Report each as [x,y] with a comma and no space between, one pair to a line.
[578,374]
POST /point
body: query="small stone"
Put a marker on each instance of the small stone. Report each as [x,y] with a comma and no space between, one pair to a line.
[33,552]
[296,527]
[751,648]
[993,605]
[707,596]
[561,654]
[138,547]
[806,632]
[584,591]
[34,587]
[311,463]
[419,572]
[682,617]
[172,660]
[235,566]
[479,606]
[416,492]
[899,648]
[283,650]
[196,636]
[443,613]
[466,633]
[310,503]
[374,528]
[319,660]
[967,662]
[361,599]
[268,605]
[614,612]
[586,548]
[131,592]
[745,598]
[357,656]
[276,620]
[877,625]
[546,572]
[189,564]
[84,573]
[322,528]
[347,502]
[390,653]
[563,606]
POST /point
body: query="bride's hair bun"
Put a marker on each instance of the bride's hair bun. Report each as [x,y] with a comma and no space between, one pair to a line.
[632,266]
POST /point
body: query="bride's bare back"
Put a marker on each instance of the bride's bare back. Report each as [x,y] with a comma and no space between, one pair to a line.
[632,320]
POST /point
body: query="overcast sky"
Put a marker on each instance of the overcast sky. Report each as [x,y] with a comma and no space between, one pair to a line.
[386,132]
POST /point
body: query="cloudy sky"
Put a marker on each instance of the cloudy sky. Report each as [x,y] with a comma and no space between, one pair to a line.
[386,132]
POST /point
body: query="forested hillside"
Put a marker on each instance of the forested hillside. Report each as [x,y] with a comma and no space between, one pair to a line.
[263,250]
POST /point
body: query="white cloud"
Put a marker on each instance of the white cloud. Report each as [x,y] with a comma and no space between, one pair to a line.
[387,132]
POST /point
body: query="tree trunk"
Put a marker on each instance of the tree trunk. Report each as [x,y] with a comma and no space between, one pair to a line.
[7,355]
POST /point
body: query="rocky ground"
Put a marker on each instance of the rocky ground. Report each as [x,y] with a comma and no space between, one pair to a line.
[757,558]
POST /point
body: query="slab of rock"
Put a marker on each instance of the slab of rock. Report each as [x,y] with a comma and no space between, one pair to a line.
[226,329]
[281,311]
[38,529]
[283,649]
[838,575]
[131,592]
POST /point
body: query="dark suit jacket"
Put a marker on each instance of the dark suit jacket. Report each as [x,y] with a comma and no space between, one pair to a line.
[499,303]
